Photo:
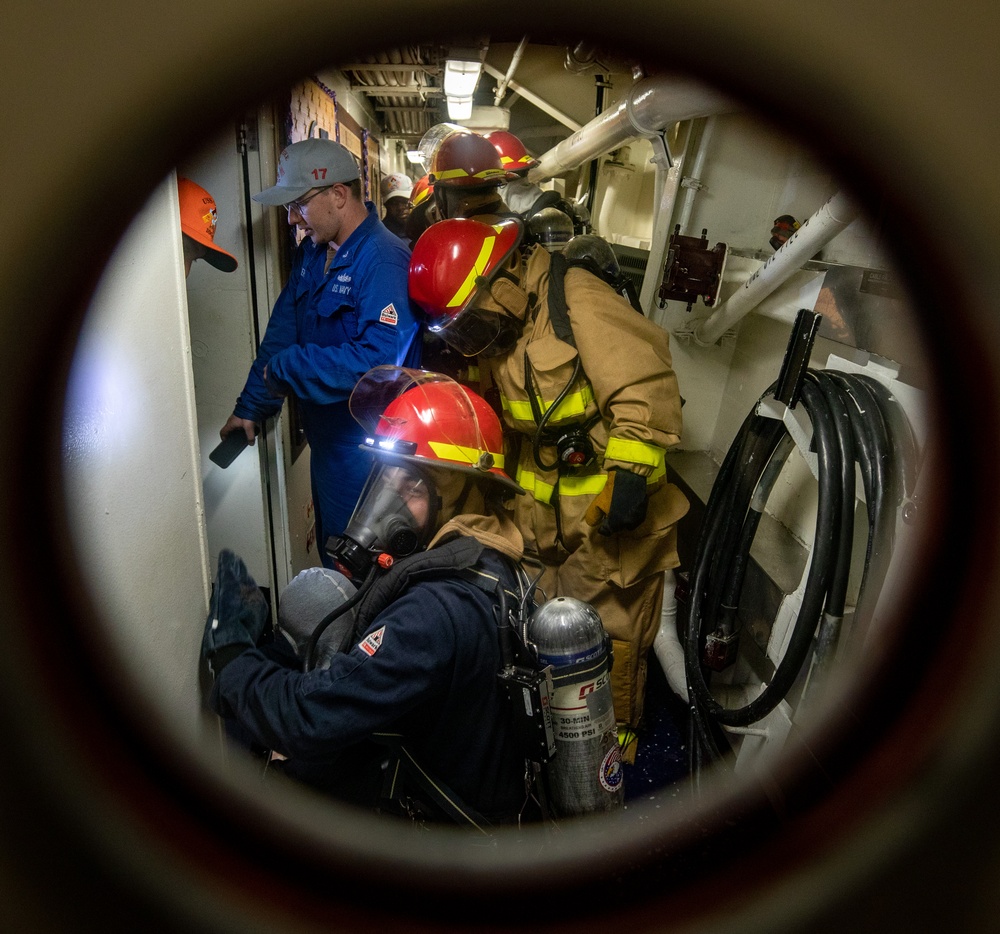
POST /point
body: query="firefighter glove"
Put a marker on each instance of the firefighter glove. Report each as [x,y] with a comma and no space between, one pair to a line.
[621,505]
[236,616]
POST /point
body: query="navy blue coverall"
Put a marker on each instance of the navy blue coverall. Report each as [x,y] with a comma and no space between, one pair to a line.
[425,668]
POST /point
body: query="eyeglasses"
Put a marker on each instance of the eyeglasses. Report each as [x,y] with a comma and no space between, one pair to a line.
[302,202]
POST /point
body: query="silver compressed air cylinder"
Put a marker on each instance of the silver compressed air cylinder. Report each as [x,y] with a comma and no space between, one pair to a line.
[305,602]
[586,773]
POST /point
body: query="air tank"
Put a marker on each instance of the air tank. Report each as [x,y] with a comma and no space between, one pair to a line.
[586,773]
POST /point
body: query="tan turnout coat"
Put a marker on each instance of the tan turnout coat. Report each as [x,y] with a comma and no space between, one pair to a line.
[627,381]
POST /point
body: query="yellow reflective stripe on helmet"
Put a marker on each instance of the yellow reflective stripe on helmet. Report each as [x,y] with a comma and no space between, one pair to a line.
[636,452]
[574,405]
[462,173]
[450,173]
[478,268]
[455,452]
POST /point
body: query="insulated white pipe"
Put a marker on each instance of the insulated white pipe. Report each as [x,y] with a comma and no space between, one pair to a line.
[667,183]
[506,79]
[697,167]
[666,646]
[650,106]
[800,247]
[531,98]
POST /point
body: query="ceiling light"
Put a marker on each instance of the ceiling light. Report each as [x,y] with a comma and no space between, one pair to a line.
[459,108]
[415,156]
[461,74]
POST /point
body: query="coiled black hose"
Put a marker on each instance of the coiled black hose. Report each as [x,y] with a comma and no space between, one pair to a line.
[855,421]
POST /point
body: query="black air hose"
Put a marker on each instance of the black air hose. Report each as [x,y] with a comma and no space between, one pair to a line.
[855,420]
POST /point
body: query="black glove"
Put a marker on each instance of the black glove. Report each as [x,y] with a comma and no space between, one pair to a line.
[237,614]
[621,504]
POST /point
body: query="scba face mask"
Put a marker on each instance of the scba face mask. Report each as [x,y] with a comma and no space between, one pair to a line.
[395,516]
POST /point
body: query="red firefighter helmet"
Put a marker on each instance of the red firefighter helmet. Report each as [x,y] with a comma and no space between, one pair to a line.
[451,261]
[454,257]
[430,420]
[513,156]
[466,160]
[422,190]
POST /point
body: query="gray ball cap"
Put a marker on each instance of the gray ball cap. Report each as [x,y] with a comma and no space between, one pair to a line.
[311,163]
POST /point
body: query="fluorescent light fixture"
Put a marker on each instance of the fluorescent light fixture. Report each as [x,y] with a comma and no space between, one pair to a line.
[459,108]
[415,156]
[461,77]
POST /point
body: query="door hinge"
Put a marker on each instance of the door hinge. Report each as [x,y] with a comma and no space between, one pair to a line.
[246,137]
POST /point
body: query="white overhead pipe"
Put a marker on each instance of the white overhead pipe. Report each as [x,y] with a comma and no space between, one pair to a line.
[515,60]
[651,105]
[692,183]
[542,104]
[800,247]
[669,169]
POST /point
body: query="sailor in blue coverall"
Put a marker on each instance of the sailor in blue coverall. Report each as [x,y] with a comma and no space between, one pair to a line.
[417,679]
[340,314]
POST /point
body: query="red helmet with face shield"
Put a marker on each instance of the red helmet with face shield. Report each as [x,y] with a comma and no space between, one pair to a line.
[466,160]
[451,262]
[513,156]
[429,420]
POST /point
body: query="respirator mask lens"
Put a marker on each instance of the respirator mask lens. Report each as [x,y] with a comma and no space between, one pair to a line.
[393,515]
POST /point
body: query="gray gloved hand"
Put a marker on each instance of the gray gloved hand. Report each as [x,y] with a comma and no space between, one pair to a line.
[236,616]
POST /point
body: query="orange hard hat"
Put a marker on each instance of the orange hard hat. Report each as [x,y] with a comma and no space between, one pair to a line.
[198,219]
